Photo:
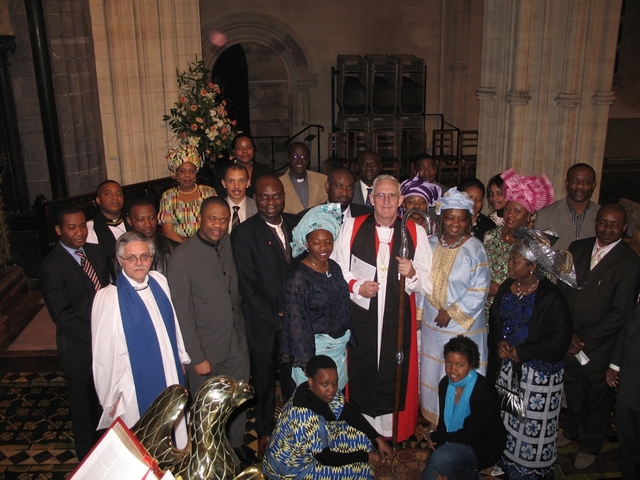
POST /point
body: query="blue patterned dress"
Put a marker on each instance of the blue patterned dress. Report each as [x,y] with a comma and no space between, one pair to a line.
[530,451]
[308,426]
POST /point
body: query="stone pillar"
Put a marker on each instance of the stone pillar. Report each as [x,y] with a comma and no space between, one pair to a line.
[455,23]
[545,92]
[136,63]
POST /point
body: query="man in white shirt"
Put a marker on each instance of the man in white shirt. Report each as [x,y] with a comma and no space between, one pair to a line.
[108,223]
[236,181]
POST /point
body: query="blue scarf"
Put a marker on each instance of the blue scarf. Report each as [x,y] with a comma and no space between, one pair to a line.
[142,341]
[454,415]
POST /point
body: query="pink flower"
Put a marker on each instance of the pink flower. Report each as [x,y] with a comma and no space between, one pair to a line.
[183,135]
[199,120]
[213,128]
[183,99]
[224,130]
[203,92]
[194,108]
[212,85]
[234,122]
[194,127]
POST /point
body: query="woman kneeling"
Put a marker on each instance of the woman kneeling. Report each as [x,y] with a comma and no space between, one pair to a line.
[319,435]
[470,434]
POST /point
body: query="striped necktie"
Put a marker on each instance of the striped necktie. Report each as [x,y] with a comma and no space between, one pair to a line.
[235,221]
[367,201]
[88,269]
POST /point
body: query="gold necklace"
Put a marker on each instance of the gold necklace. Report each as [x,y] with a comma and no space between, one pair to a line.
[195,189]
[522,294]
[318,268]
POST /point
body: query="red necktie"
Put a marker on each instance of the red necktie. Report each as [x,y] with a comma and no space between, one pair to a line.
[88,269]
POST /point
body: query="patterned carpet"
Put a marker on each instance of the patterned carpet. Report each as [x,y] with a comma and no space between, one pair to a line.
[36,442]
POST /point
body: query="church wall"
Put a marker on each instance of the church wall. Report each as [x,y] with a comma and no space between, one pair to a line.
[330,27]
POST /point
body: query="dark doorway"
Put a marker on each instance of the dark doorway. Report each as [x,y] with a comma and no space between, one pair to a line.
[230,72]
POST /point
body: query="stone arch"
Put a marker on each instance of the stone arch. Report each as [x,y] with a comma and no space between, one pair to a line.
[281,39]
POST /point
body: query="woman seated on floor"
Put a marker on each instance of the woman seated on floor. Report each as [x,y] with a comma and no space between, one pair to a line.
[470,434]
[319,435]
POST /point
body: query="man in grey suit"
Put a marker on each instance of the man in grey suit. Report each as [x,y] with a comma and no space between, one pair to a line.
[70,275]
[236,181]
[572,217]
[624,372]
[204,289]
[369,167]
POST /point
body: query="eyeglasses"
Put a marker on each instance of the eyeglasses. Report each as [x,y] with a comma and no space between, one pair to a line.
[298,157]
[386,196]
[145,257]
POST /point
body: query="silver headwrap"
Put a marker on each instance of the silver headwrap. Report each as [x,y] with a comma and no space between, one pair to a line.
[535,246]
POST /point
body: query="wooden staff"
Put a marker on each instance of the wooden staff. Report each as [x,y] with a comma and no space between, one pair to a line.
[404,253]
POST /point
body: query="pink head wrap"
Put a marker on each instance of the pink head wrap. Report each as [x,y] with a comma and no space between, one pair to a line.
[532,192]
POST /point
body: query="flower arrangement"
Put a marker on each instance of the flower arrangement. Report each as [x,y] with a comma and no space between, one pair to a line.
[199,117]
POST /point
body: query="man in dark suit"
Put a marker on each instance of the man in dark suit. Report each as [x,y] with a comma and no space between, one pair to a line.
[340,187]
[624,372]
[70,275]
[108,223]
[262,252]
[369,167]
[608,271]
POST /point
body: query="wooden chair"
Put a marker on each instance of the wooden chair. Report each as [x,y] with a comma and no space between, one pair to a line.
[414,143]
[338,150]
[361,141]
[445,152]
[387,147]
[468,148]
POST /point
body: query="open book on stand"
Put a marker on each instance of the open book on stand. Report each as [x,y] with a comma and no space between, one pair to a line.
[119,455]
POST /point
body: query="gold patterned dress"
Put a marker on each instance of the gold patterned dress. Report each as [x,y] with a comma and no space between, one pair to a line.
[461,280]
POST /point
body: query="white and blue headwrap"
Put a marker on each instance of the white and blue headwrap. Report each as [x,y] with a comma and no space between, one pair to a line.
[454,199]
[327,216]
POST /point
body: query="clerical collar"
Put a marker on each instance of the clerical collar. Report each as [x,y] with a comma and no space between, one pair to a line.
[207,242]
[137,286]
[296,179]
[384,226]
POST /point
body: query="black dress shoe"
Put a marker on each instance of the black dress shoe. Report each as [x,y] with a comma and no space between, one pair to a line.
[246,455]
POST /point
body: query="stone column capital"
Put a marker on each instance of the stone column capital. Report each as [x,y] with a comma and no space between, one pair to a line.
[486,93]
[602,97]
[568,100]
[518,98]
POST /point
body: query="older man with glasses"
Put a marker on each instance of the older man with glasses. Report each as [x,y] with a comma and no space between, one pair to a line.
[137,344]
[368,251]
